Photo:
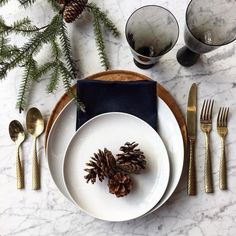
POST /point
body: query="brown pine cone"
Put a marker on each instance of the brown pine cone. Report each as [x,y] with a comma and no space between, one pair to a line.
[132,160]
[120,184]
[73,9]
[103,164]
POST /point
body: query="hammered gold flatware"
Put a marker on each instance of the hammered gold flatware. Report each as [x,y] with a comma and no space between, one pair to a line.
[17,135]
[35,126]
[222,130]
[192,126]
[206,126]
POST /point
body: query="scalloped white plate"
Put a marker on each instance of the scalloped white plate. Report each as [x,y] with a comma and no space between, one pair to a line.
[112,130]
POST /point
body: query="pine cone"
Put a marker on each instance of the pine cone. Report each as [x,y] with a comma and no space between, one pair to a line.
[120,184]
[103,164]
[131,160]
[73,9]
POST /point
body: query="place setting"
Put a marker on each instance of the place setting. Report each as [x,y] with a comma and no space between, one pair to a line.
[117,141]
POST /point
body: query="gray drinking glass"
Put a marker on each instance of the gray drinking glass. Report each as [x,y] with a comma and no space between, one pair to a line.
[209,25]
[151,32]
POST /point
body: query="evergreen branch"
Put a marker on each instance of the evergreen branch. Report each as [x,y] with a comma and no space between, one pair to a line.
[56,51]
[67,85]
[22,26]
[6,51]
[104,19]
[65,44]
[33,46]
[54,79]
[25,84]
[99,41]
[43,70]
[3,2]
[26,3]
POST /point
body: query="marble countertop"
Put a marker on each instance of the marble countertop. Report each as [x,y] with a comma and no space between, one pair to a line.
[48,212]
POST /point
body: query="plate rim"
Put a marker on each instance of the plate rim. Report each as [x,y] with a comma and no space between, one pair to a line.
[76,134]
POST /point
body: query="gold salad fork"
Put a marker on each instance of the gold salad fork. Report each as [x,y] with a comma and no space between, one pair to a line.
[222,120]
[206,126]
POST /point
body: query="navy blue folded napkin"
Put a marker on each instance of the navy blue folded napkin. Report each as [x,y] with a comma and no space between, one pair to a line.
[134,97]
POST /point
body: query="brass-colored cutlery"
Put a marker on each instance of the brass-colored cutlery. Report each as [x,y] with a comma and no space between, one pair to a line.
[206,127]
[35,126]
[222,130]
[17,135]
[191,126]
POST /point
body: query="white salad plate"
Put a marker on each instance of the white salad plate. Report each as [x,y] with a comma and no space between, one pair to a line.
[63,130]
[112,130]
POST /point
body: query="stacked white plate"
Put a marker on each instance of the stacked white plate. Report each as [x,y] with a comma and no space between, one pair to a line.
[68,151]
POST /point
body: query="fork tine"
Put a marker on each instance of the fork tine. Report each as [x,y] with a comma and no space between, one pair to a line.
[222,116]
[202,111]
[211,108]
[207,110]
[226,112]
[218,117]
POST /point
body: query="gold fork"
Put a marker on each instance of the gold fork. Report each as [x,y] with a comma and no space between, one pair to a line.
[222,120]
[206,126]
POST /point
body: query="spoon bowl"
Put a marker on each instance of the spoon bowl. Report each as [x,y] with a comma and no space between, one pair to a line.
[34,122]
[17,135]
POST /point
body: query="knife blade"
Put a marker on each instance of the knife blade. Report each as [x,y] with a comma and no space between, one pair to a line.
[192,127]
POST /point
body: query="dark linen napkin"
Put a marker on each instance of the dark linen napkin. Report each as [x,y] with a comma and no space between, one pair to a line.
[134,97]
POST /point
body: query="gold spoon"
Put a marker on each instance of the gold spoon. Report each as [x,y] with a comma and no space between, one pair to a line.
[35,126]
[17,135]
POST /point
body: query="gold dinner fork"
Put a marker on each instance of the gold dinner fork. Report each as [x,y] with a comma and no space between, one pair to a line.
[206,126]
[222,120]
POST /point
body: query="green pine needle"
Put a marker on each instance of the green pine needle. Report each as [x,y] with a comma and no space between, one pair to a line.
[67,85]
[55,6]
[25,84]
[99,41]
[54,79]
[66,48]
[104,19]
[33,45]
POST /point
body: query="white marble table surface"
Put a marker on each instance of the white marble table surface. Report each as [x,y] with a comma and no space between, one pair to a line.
[47,212]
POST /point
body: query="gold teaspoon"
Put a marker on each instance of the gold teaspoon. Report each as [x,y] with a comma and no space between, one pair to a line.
[17,135]
[35,126]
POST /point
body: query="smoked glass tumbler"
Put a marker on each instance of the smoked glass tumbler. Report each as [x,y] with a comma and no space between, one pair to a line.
[151,32]
[209,25]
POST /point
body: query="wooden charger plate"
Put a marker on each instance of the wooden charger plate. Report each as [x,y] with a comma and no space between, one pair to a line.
[121,75]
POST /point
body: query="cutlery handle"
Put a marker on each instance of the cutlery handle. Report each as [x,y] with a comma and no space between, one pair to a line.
[35,168]
[192,190]
[19,171]
[208,169]
[223,171]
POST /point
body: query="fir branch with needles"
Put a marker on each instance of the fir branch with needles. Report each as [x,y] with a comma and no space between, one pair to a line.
[61,64]
[99,41]
[30,67]
[65,44]
[104,19]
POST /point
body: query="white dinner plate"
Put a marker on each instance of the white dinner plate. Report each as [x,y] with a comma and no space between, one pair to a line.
[112,130]
[63,130]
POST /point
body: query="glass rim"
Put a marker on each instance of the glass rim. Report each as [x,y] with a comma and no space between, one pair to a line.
[157,6]
[207,44]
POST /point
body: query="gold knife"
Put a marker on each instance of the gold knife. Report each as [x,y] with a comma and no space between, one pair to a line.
[192,127]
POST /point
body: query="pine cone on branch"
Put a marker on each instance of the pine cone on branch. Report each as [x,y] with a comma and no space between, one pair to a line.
[120,184]
[73,9]
[132,160]
[103,164]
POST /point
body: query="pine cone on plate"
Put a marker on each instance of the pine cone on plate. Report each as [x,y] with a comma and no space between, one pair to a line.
[73,9]
[132,160]
[103,164]
[120,184]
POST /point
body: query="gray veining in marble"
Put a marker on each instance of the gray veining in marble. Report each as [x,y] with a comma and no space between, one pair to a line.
[47,212]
